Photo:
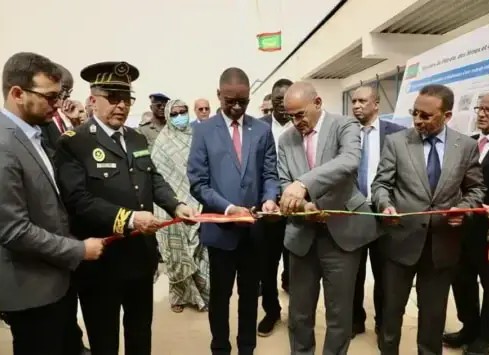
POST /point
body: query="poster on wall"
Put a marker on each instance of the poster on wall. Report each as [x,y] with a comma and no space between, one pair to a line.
[463,65]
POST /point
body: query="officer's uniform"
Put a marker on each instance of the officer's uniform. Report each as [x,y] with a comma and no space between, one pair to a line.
[149,128]
[101,186]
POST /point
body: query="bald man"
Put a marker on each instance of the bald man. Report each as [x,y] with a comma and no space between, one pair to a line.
[317,165]
[202,110]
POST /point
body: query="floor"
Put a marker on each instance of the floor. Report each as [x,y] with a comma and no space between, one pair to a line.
[188,333]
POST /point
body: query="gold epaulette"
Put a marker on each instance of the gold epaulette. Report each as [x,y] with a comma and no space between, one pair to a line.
[69,133]
[121,220]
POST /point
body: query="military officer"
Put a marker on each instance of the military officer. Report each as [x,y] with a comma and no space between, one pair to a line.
[109,185]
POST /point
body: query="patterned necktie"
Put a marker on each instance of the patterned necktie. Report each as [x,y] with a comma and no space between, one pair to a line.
[482,143]
[363,167]
[236,139]
[310,149]
[433,167]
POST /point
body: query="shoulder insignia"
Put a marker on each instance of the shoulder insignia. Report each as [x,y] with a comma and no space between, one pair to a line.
[69,133]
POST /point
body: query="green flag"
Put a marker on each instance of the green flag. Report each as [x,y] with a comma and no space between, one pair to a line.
[269,42]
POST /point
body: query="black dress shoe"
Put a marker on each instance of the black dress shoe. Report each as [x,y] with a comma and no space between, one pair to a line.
[357,329]
[265,327]
[458,339]
[477,347]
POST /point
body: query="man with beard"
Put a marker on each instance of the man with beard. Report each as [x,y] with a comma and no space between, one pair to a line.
[274,230]
[232,168]
[151,128]
[37,254]
[109,185]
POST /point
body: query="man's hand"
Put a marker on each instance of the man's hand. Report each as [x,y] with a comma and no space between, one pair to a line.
[270,206]
[185,212]
[94,248]
[311,207]
[391,220]
[70,110]
[239,211]
[146,222]
[292,198]
[456,219]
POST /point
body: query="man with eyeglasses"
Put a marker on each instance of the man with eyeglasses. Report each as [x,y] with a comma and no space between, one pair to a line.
[317,165]
[202,111]
[37,251]
[426,168]
[152,127]
[66,116]
[109,184]
[232,168]
[474,335]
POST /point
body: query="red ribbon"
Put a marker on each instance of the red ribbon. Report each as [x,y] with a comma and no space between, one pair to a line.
[248,218]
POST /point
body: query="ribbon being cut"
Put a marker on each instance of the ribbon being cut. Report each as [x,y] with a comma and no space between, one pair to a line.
[251,217]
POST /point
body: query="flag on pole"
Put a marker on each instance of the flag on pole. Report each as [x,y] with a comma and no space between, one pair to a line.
[270,41]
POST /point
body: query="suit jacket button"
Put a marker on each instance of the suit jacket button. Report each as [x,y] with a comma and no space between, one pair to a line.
[131,170]
[136,187]
[142,206]
[106,175]
[149,168]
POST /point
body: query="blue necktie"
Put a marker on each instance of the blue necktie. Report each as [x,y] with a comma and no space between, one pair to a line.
[433,167]
[363,168]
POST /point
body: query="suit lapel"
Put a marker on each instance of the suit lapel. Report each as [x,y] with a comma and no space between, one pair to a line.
[323,136]
[450,159]
[107,142]
[225,137]
[22,138]
[416,153]
[129,145]
[299,153]
[382,132]
[246,144]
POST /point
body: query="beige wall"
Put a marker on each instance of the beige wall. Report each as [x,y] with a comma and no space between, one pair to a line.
[338,35]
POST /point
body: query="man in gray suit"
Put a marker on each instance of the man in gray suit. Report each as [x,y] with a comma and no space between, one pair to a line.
[317,164]
[428,167]
[36,252]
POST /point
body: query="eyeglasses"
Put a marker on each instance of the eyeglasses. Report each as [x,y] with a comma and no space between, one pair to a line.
[423,115]
[115,98]
[234,102]
[175,114]
[51,98]
[296,116]
[267,111]
[203,109]
[478,109]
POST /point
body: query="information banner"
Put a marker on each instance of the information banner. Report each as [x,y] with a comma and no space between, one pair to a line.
[463,65]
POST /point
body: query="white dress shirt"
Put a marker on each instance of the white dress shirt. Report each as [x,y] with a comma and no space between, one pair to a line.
[229,124]
[110,131]
[34,135]
[278,129]
[485,149]
[373,153]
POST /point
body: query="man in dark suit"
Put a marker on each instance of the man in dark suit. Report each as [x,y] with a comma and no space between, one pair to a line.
[37,253]
[365,103]
[473,263]
[231,168]
[428,167]
[109,185]
[273,244]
